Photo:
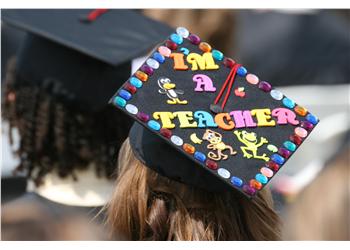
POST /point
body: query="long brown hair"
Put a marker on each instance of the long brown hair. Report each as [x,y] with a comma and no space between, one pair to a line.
[56,134]
[147,206]
[321,210]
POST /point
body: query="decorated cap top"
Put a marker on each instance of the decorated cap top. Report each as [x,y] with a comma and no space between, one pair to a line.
[207,121]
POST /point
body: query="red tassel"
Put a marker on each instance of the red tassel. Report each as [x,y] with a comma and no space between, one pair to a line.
[229,81]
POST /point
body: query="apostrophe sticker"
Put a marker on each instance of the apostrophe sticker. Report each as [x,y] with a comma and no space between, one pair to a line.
[185,51]
[216,144]
[252,145]
[168,88]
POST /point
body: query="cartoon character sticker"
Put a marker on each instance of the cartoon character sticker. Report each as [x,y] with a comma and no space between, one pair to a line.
[251,144]
[216,144]
[168,88]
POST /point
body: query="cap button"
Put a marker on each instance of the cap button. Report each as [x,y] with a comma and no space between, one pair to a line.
[242,71]
[142,117]
[211,164]
[284,152]
[272,165]
[296,139]
[154,125]
[120,101]
[255,184]
[132,109]
[307,125]
[224,173]
[176,140]
[252,79]
[181,31]
[200,156]
[300,110]
[228,62]
[166,133]
[189,148]
[158,57]
[218,55]
[125,94]
[249,190]
[261,178]
[152,63]
[289,145]
[311,118]
[288,103]
[194,39]
[205,47]
[171,45]
[300,132]
[266,171]
[278,159]
[130,88]
[265,86]
[141,75]
[147,69]
[237,182]
[276,94]
[176,38]
[164,51]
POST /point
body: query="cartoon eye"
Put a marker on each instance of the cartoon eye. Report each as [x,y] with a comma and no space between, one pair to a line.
[244,132]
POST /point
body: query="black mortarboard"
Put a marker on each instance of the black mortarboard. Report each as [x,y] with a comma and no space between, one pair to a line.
[87,51]
[229,126]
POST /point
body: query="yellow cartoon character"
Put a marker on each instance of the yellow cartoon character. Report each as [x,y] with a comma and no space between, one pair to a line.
[168,88]
[251,144]
[215,143]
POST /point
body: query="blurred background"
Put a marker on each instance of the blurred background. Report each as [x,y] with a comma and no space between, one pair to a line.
[306,55]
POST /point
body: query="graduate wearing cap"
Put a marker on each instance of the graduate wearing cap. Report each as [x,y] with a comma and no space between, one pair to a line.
[209,136]
[69,63]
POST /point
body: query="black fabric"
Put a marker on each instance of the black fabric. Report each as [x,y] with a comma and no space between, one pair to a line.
[81,78]
[115,37]
[155,154]
[86,60]
[295,49]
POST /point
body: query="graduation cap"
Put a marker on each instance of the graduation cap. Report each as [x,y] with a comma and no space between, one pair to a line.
[204,120]
[87,52]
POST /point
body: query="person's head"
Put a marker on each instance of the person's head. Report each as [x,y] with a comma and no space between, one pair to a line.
[58,134]
[321,211]
[148,206]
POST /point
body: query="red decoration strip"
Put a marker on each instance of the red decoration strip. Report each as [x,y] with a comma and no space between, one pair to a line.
[229,81]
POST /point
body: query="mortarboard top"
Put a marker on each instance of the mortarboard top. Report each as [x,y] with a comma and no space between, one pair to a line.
[229,126]
[88,51]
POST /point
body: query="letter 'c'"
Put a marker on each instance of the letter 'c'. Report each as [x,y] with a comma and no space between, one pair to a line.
[220,121]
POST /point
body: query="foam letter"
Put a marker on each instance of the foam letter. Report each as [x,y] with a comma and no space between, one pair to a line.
[165,118]
[284,116]
[179,63]
[263,116]
[203,81]
[220,121]
[205,120]
[184,118]
[203,62]
[243,119]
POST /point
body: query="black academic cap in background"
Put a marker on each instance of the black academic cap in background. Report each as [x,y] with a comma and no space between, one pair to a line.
[89,57]
[207,121]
